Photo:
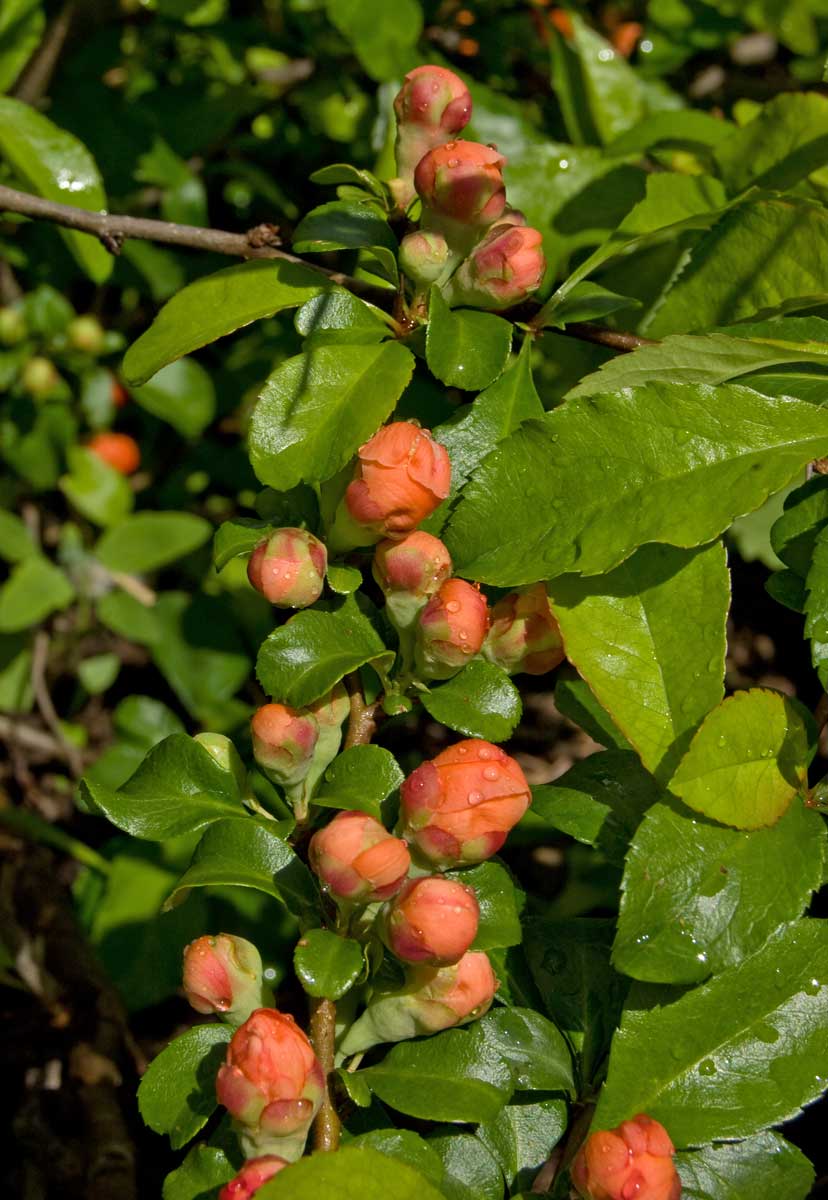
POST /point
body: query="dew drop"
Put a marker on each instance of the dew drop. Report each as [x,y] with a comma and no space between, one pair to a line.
[811,987]
[453,606]
[707,1067]
[767,1034]
[485,753]
[491,773]
[462,749]
[475,797]
[454,162]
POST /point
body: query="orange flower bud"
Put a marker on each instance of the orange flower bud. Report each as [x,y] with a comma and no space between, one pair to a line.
[118,449]
[432,920]
[463,181]
[431,105]
[632,1162]
[223,975]
[451,629]
[250,1178]
[423,256]
[502,269]
[459,807]
[284,740]
[288,568]
[357,859]
[524,635]
[417,565]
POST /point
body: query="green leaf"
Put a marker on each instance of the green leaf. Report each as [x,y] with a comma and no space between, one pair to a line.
[470,1172]
[95,489]
[481,702]
[317,409]
[521,1137]
[305,657]
[353,1173]
[599,801]
[238,536]
[55,165]
[247,852]
[382,38]
[788,236]
[216,305]
[149,540]
[573,699]
[342,225]
[326,964]
[536,1049]
[343,579]
[608,84]
[805,514]
[178,788]
[816,606]
[203,1170]
[697,897]
[21,27]
[732,1056]
[764,1167]
[360,778]
[688,127]
[465,348]
[182,394]
[655,675]
[35,589]
[16,690]
[16,543]
[788,588]
[785,142]
[338,315]
[177,1095]
[453,1076]
[747,761]
[586,302]
[99,672]
[500,903]
[556,496]
[404,1146]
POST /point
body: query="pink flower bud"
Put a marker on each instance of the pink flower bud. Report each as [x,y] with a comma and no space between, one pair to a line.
[357,859]
[417,565]
[423,256]
[632,1162]
[288,568]
[459,807]
[451,629]
[271,1083]
[402,474]
[284,740]
[432,921]
[524,635]
[431,105]
[433,999]
[502,269]
[250,1178]
[463,181]
[223,975]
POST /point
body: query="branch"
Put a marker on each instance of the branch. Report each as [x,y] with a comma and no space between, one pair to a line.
[362,723]
[40,660]
[327,1125]
[612,338]
[38,71]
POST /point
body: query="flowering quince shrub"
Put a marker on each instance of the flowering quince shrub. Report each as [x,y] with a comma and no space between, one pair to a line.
[430,536]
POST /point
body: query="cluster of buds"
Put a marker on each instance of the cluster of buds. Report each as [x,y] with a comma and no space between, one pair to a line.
[288,568]
[293,746]
[632,1162]
[469,244]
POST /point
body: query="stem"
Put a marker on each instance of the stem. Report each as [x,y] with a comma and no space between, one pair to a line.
[565,1151]
[612,338]
[323,1035]
[40,659]
[362,724]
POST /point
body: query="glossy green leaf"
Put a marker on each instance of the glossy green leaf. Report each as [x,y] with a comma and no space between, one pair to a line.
[678,127]
[383,38]
[16,542]
[178,788]
[338,315]
[248,852]
[764,1167]
[342,225]
[465,348]
[95,489]
[794,534]
[360,778]
[698,897]
[353,1173]
[786,141]
[35,589]
[149,540]
[730,1057]
[238,536]
[656,676]
[536,1049]
[99,672]
[522,1136]
[470,1171]
[481,702]
[556,496]
[326,964]
[216,305]
[608,84]
[182,394]
[343,579]
[816,606]
[21,27]
[588,301]
[574,700]
[304,658]
[500,901]
[747,761]
[404,1146]
[177,1095]
[317,409]
[203,1170]
[57,166]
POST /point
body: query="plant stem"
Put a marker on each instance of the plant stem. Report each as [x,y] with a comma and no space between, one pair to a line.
[323,1035]
[362,724]
[613,339]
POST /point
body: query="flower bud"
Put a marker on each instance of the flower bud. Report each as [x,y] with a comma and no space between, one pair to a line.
[632,1162]
[357,859]
[432,920]
[12,326]
[459,807]
[409,572]
[271,1083]
[250,1178]
[464,182]
[86,334]
[423,256]
[502,269]
[119,450]
[433,999]
[288,568]
[401,476]
[284,740]
[524,635]
[223,975]
[451,629]
[431,105]
[39,377]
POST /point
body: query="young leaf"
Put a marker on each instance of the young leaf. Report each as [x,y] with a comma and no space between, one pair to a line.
[481,702]
[177,1096]
[342,225]
[698,897]
[557,496]
[465,348]
[747,761]
[730,1057]
[369,1174]
[764,1167]
[360,778]
[326,964]
[203,1170]
[182,394]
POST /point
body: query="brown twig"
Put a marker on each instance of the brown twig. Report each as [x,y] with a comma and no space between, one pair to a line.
[323,1035]
[362,723]
[40,660]
[613,339]
[36,76]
